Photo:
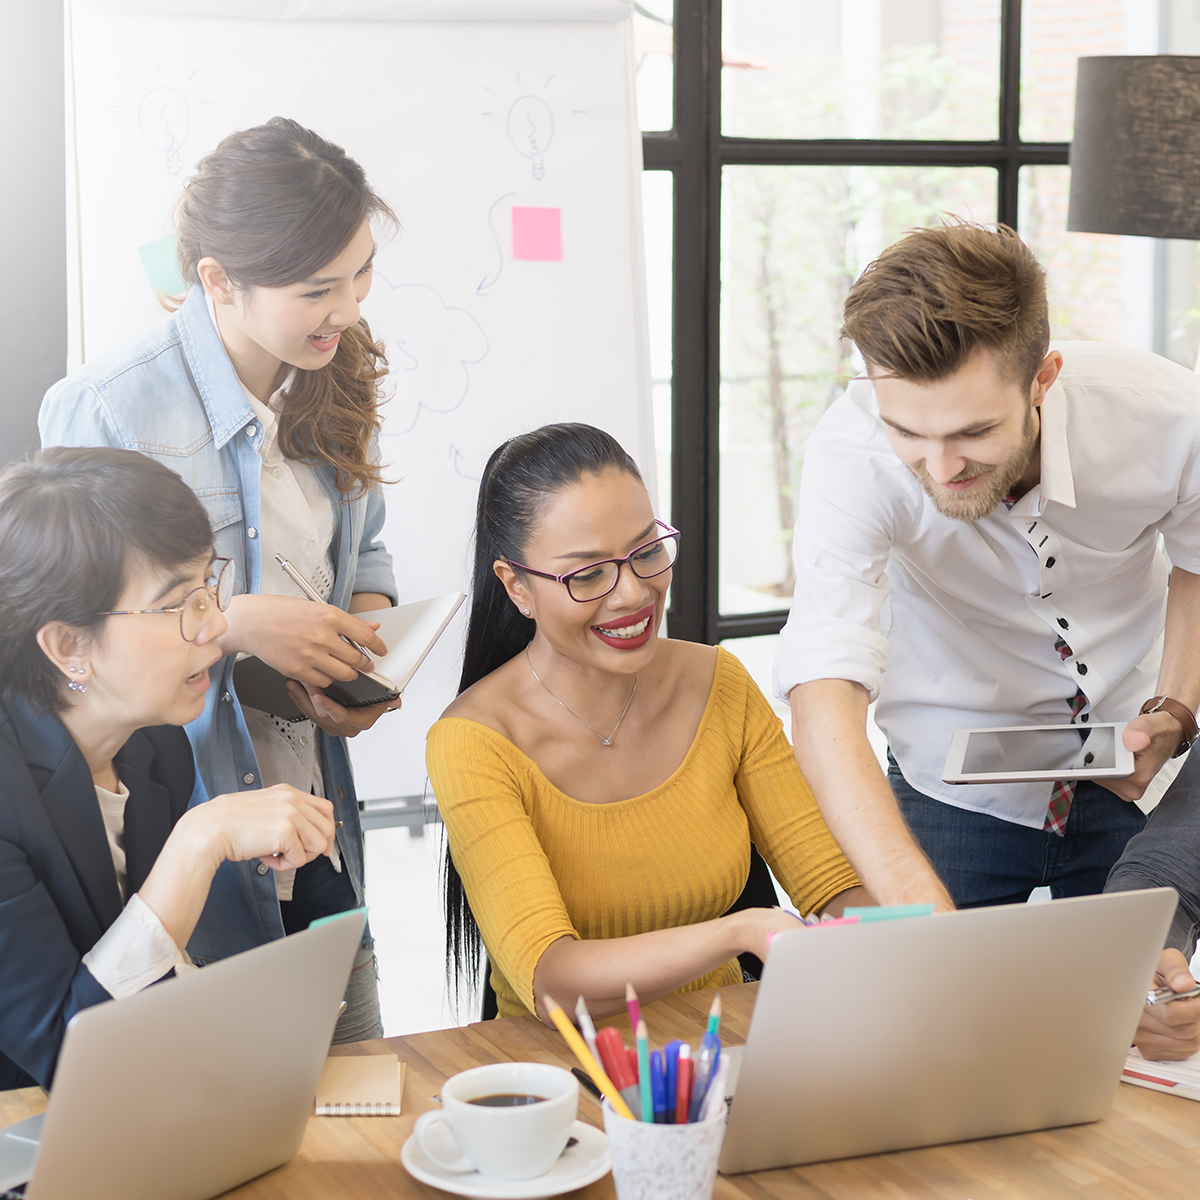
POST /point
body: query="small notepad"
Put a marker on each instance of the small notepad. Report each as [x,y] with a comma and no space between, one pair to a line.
[368,1085]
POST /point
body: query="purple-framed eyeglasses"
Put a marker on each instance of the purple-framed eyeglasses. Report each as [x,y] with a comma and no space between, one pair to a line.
[196,607]
[597,579]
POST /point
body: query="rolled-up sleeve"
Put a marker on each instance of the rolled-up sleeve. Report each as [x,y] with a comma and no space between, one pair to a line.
[842,541]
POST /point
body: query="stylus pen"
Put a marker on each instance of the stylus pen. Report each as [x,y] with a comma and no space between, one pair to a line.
[308,589]
[1165,995]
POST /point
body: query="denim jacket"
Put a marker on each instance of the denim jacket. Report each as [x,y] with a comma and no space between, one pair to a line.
[172,393]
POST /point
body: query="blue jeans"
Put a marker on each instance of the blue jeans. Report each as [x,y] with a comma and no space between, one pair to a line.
[320,891]
[984,860]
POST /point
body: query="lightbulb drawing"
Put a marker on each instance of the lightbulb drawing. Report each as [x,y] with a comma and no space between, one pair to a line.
[531,129]
[164,119]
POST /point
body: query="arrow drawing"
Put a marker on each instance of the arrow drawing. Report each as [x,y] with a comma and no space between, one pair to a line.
[486,284]
[456,460]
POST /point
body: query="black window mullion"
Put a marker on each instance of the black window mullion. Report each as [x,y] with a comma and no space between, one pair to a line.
[696,152]
[685,149]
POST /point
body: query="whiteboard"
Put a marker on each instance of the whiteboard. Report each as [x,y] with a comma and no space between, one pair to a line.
[491,326]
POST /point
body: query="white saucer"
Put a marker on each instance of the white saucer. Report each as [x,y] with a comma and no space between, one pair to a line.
[575,1168]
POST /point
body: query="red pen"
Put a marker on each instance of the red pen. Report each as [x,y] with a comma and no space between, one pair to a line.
[615,1062]
[683,1084]
[632,1059]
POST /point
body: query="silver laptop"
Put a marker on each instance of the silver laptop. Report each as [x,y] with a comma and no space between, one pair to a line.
[192,1086]
[895,1034]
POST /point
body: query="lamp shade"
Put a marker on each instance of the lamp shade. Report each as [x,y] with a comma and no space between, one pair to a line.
[1135,159]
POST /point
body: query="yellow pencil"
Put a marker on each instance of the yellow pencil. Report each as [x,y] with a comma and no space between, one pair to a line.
[589,1064]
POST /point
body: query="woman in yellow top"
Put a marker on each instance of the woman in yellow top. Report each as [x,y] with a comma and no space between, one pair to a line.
[600,785]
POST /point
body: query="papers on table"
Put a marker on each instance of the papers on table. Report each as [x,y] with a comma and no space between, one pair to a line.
[1174,1078]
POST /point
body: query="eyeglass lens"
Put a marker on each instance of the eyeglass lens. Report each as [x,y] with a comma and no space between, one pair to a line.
[647,561]
[197,607]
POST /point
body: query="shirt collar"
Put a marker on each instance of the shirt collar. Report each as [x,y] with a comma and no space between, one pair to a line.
[216,381]
[1057,482]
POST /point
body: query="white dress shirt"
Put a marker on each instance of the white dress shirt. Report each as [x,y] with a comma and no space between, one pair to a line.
[963,616]
[135,950]
[296,520]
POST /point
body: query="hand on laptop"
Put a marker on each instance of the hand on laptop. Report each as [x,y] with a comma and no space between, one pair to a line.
[1170,1031]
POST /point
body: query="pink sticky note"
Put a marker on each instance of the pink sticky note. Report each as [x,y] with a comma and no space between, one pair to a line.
[537,234]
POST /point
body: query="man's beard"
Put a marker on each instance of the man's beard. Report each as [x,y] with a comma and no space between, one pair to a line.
[983,498]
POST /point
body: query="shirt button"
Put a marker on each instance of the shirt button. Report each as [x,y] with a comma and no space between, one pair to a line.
[1084,716]
[251,430]
[252,532]
[1081,668]
[1050,562]
[1064,622]
[248,777]
[226,698]
[263,868]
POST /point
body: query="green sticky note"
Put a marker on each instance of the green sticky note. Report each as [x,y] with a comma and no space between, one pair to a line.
[350,912]
[161,266]
[889,912]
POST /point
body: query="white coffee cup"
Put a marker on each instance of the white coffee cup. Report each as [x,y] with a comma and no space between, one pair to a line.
[518,1142]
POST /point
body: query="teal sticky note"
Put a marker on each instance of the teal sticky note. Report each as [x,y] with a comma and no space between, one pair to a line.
[317,922]
[161,266]
[889,912]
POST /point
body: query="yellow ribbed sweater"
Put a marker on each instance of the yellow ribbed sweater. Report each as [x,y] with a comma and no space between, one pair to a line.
[537,864]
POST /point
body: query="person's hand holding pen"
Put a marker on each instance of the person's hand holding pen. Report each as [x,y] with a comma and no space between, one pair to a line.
[1170,1029]
[300,639]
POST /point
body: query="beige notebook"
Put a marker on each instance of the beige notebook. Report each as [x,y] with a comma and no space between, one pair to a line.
[365,1085]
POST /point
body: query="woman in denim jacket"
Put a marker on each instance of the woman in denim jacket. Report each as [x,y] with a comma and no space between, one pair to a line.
[262,392]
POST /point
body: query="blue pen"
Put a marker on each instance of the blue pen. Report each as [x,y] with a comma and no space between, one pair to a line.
[706,1065]
[658,1087]
[671,1076]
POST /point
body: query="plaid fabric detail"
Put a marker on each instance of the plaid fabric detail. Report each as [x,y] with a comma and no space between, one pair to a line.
[1064,651]
[1063,791]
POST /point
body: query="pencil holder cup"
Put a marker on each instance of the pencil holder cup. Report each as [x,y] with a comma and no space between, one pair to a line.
[663,1162]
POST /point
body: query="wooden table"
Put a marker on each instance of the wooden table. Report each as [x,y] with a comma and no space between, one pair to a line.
[1147,1148]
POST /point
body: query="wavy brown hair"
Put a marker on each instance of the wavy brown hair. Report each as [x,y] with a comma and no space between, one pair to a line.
[933,298]
[273,205]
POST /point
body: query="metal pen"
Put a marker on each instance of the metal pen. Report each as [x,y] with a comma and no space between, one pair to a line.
[1165,995]
[309,591]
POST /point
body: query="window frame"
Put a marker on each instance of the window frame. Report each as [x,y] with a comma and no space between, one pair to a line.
[695,151]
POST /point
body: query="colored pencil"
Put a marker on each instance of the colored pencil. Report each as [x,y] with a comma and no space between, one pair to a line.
[589,1064]
[635,1009]
[714,1015]
[643,1053]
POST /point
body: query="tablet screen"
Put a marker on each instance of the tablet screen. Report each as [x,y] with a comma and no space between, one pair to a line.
[1020,750]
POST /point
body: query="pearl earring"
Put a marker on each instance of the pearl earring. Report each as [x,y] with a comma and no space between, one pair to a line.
[75,686]
[524,612]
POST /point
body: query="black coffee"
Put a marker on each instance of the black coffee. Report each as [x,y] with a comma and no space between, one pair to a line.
[507,1100]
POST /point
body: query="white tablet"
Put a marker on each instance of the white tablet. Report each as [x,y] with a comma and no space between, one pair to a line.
[1033,753]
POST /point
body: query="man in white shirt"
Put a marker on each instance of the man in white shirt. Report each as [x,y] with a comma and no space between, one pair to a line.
[980,542]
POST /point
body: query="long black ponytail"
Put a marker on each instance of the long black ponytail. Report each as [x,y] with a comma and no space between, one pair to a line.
[520,479]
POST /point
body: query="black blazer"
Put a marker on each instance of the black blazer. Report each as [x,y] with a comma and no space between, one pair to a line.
[58,886]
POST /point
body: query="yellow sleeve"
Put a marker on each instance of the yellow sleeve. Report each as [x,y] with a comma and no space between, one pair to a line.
[480,782]
[785,823]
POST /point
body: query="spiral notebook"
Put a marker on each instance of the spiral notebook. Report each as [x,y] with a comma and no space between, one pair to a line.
[361,1086]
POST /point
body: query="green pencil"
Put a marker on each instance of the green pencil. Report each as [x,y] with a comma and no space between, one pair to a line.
[643,1053]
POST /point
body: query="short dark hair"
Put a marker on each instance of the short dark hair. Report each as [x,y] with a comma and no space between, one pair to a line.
[73,522]
[933,298]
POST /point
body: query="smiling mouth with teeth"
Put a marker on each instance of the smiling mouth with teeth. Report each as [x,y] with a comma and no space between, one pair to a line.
[629,631]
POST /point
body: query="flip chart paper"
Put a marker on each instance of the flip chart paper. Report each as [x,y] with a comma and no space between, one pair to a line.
[537,234]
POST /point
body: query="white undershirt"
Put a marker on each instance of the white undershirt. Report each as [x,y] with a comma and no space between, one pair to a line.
[135,950]
[295,520]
